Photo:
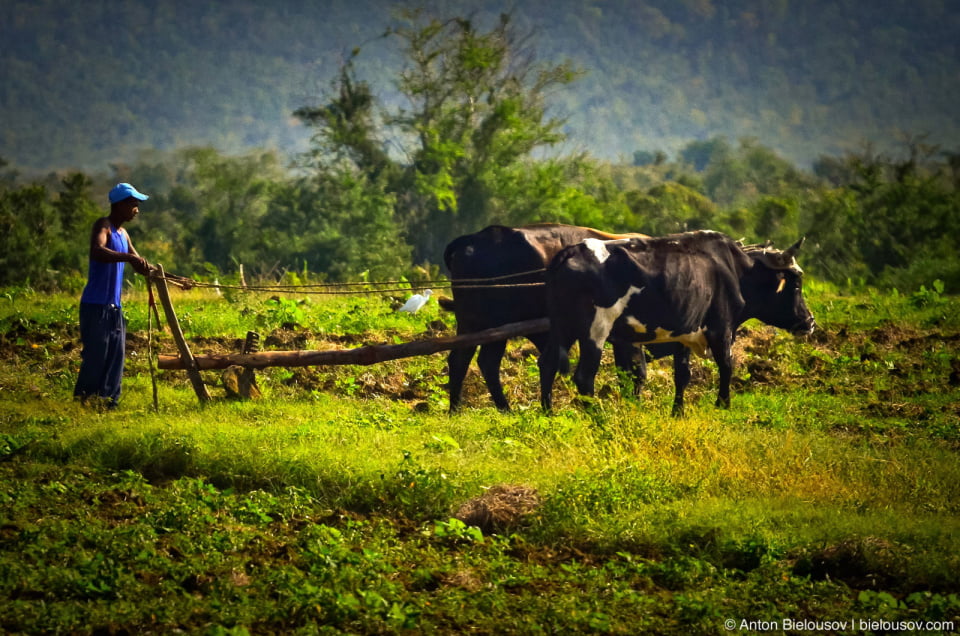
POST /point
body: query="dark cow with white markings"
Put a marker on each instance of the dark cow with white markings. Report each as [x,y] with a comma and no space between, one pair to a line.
[497,275]
[693,289]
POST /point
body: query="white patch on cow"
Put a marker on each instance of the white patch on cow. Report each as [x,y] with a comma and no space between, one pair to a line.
[598,248]
[604,317]
[696,341]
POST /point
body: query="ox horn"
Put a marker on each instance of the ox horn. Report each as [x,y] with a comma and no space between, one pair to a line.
[791,251]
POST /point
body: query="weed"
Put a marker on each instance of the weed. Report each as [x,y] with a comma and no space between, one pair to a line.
[455,531]
[924,297]
[283,313]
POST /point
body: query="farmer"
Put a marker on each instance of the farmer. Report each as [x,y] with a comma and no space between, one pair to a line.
[103,328]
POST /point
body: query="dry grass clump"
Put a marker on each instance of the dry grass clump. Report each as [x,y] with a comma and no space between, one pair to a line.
[501,508]
[466,579]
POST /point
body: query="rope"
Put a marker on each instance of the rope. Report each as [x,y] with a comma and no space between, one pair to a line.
[289,289]
[458,286]
[400,282]
[504,277]
[471,283]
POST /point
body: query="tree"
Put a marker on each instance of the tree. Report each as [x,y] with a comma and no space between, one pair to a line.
[700,154]
[735,177]
[230,197]
[649,157]
[339,224]
[475,109]
[31,237]
[891,220]
[347,128]
[671,207]
[77,212]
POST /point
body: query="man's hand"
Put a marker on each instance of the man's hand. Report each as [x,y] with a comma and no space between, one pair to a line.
[139,264]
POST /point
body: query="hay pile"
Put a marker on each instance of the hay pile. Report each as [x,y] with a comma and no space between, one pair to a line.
[501,508]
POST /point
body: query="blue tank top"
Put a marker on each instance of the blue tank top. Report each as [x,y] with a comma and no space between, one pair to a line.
[105,280]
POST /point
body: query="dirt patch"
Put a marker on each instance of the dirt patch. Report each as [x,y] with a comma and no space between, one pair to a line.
[286,340]
[350,339]
[889,333]
[28,337]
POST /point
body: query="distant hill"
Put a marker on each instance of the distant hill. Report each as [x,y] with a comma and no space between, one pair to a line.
[87,83]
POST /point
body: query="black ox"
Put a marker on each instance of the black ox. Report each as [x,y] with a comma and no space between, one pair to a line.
[498,278]
[692,290]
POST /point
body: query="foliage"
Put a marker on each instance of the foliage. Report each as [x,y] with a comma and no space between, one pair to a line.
[476,111]
[671,207]
[889,220]
[897,215]
[341,224]
[42,236]
[211,213]
[882,221]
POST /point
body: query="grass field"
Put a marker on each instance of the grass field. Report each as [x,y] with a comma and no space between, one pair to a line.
[825,500]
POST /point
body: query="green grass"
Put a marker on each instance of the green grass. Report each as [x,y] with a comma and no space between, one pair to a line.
[829,491]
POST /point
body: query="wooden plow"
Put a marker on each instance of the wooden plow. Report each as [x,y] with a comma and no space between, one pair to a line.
[365,355]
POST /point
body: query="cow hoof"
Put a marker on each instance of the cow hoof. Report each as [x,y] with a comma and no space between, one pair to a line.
[587,402]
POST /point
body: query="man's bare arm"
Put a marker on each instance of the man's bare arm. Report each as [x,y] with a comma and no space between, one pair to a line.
[100,252]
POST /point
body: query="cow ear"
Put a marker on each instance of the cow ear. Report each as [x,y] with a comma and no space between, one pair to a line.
[782,283]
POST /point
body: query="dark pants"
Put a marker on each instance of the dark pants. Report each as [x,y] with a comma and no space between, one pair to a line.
[103,332]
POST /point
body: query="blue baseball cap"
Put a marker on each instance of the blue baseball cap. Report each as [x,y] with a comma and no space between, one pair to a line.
[123,191]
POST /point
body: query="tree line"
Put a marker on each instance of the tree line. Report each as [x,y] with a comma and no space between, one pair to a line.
[868,219]
[385,186]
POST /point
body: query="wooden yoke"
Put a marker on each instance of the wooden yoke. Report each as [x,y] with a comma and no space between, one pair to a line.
[187,360]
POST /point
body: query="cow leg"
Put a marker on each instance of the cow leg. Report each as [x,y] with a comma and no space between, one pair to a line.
[549,363]
[722,347]
[681,378]
[540,341]
[588,366]
[458,361]
[631,360]
[489,360]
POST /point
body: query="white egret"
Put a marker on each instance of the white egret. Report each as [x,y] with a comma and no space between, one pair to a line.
[415,302]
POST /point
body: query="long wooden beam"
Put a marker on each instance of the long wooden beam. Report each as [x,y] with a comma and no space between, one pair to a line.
[369,354]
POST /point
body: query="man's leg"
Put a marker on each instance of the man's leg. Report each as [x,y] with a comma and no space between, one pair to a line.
[93,357]
[116,351]
[103,334]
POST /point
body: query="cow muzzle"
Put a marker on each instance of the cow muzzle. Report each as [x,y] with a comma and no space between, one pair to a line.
[805,328]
